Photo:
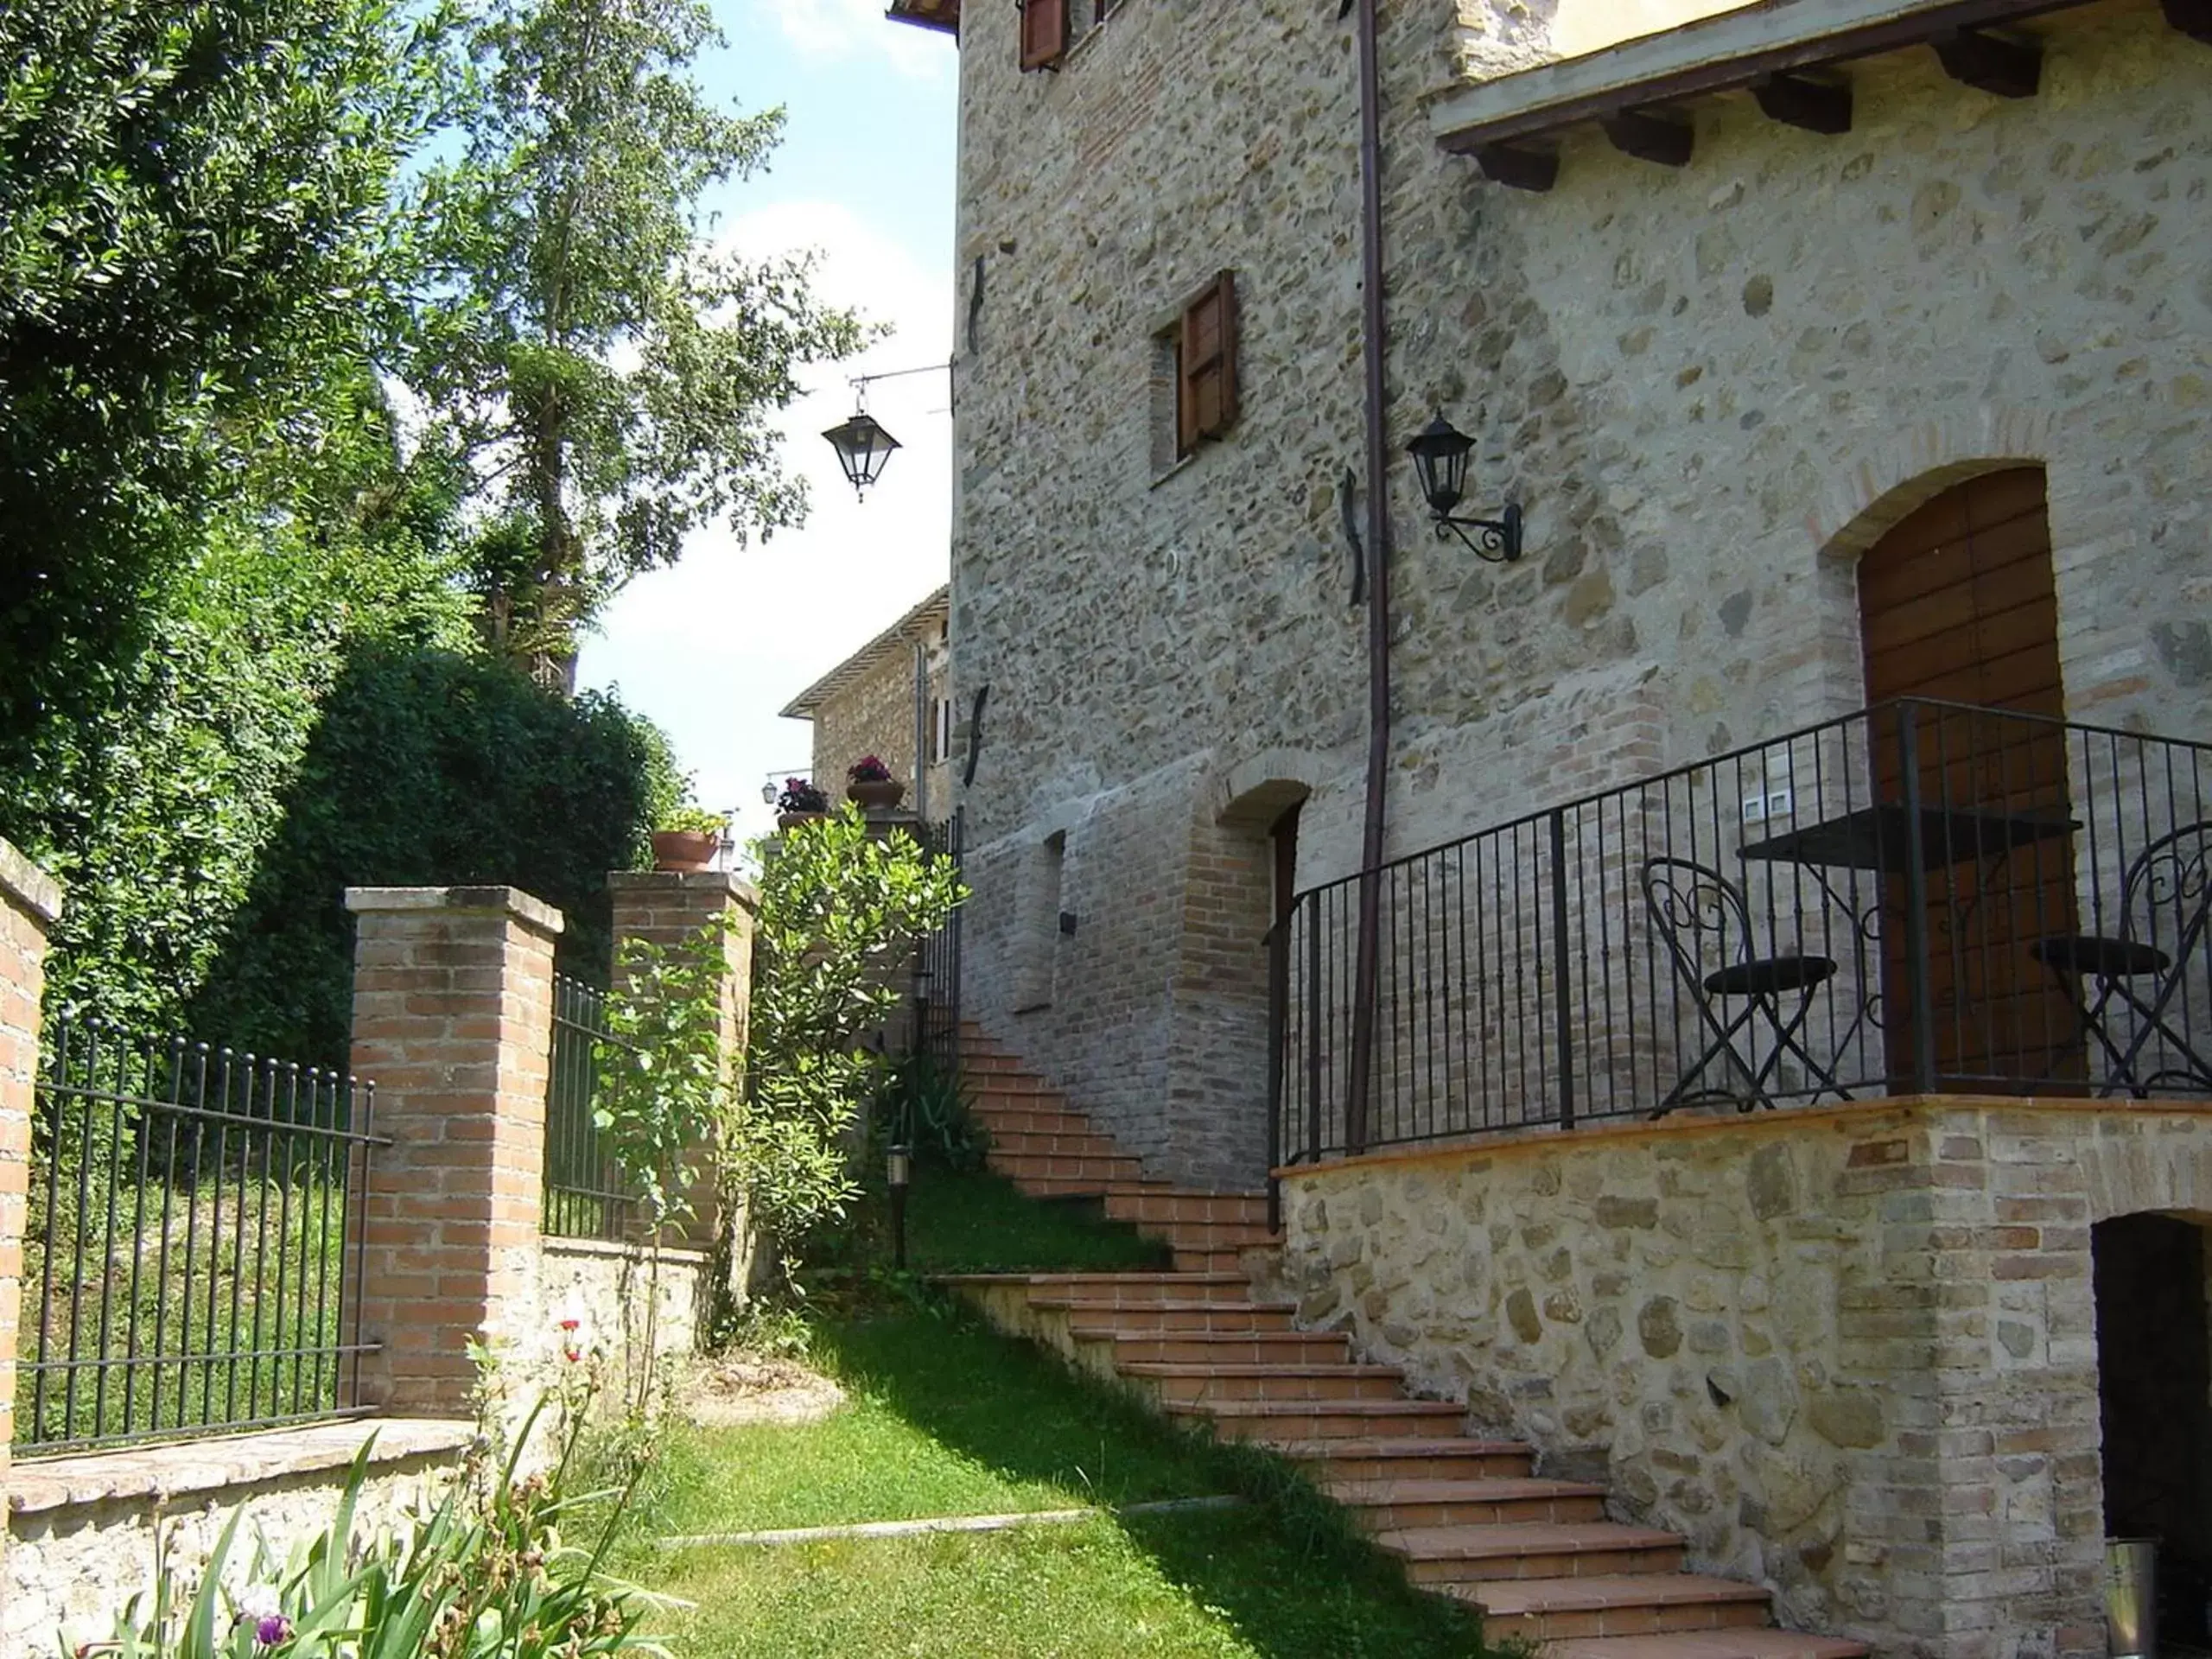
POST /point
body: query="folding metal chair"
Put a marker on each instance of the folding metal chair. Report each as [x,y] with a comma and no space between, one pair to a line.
[2166,908]
[1703,918]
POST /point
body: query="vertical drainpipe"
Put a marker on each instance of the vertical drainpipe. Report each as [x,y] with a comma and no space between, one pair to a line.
[922,729]
[1374,339]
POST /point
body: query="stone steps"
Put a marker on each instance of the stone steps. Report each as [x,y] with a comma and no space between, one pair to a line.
[1467,1517]
[1464,1554]
[1417,1504]
[1743,1643]
[1216,1381]
[1619,1605]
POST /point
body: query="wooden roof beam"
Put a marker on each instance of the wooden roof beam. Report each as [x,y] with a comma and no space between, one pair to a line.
[1651,135]
[2192,17]
[1796,99]
[1991,63]
[1522,167]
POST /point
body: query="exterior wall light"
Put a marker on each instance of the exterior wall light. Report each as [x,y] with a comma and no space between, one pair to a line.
[898,1174]
[1440,455]
[863,447]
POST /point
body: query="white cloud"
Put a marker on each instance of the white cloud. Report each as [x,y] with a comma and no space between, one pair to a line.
[843,29]
[713,648]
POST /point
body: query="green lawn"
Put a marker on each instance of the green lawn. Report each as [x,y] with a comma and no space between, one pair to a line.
[982,1223]
[948,1418]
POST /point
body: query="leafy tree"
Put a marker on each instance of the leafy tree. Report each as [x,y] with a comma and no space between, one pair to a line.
[194,228]
[605,370]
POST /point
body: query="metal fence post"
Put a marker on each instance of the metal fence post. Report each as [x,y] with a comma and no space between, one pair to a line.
[1278,1025]
[1562,1013]
[1920,993]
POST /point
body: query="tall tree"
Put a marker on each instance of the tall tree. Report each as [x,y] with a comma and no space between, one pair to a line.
[604,371]
[192,224]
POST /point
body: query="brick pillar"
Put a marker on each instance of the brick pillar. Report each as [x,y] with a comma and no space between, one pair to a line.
[30,901]
[665,908]
[453,1021]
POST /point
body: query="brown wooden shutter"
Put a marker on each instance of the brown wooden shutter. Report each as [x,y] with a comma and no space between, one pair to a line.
[1044,33]
[1205,401]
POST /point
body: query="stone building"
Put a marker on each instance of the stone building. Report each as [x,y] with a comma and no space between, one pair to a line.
[1758,316]
[893,699]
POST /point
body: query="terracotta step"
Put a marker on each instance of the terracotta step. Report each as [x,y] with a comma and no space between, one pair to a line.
[1744,1643]
[1587,1549]
[1405,1505]
[1273,1421]
[1212,1348]
[1119,1289]
[1052,1166]
[1225,1236]
[1384,1457]
[1029,1143]
[1149,1202]
[1011,1089]
[1211,1383]
[1202,1260]
[1642,1605]
[1023,1120]
[1182,1317]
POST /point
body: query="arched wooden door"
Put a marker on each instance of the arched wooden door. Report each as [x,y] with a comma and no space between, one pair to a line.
[1958,603]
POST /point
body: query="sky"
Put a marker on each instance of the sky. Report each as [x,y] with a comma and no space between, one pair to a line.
[712,648]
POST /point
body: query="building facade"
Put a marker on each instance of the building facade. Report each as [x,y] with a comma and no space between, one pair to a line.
[893,699]
[1712,380]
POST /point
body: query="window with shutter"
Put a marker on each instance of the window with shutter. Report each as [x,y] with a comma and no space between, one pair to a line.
[1044,33]
[1206,369]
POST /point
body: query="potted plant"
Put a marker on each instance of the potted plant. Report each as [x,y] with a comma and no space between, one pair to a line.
[687,839]
[800,801]
[873,786]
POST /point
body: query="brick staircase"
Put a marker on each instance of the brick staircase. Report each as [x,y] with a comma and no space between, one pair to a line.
[1468,1516]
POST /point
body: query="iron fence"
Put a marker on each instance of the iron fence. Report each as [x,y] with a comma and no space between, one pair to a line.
[936,964]
[584,1197]
[191,1255]
[1920,897]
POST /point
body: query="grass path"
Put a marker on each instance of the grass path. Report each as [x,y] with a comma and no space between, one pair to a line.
[947,1418]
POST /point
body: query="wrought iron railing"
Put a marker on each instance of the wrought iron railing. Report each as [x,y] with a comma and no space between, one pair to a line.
[585,1196]
[936,963]
[1922,897]
[192,1251]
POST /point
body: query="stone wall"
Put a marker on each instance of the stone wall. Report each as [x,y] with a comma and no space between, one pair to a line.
[1851,1353]
[83,1531]
[874,713]
[1710,386]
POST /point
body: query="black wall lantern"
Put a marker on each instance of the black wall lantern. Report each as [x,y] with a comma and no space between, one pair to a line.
[1441,457]
[863,447]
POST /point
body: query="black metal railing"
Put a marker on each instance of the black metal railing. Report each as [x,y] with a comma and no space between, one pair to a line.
[1920,897]
[585,1196]
[936,963]
[191,1253]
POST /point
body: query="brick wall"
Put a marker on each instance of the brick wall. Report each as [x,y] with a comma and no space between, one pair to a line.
[29,902]
[452,1019]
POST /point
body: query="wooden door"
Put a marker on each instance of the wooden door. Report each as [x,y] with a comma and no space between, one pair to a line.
[1958,603]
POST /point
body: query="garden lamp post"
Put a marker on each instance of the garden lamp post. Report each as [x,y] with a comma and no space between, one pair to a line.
[898,1174]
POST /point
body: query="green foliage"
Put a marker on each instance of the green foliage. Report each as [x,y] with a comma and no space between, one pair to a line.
[430,768]
[924,1105]
[607,372]
[665,1084]
[192,231]
[483,1576]
[840,909]
[699,820]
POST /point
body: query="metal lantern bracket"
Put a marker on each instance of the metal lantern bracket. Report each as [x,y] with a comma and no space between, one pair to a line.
[1495,540]
[1439,452]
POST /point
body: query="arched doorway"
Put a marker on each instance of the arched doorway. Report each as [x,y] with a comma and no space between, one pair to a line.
[1958,603]
[2154,1374]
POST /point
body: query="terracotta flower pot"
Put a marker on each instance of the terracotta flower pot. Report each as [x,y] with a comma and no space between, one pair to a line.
[876,795]
[792,820]
[686,850]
